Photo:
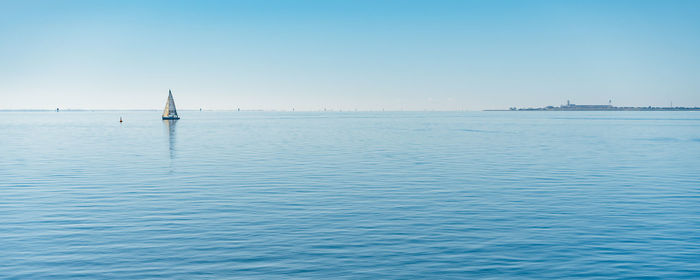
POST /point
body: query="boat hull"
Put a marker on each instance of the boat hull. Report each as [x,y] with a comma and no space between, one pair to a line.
[171,118]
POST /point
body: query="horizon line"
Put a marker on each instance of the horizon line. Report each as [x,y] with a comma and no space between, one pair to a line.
[242,110]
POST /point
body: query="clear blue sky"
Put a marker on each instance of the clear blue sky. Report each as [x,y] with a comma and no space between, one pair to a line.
[412,55]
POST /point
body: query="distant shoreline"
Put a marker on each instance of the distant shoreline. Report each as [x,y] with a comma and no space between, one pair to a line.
[609,107]
[636,109]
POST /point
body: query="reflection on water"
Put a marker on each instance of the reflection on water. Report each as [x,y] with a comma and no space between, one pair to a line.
[171,136]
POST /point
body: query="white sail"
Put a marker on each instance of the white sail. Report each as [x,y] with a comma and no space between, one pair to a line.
[170,112]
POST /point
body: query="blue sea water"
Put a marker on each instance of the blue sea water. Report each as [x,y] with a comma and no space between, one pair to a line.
[350,195]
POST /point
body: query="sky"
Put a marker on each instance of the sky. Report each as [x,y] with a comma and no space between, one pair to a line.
[347,55]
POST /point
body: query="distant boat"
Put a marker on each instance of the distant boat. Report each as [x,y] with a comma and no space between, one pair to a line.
[170,113]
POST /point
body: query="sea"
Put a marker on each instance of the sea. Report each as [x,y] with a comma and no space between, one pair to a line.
[349,195]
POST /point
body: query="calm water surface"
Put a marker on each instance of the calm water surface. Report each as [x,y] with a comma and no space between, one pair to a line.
[356,195]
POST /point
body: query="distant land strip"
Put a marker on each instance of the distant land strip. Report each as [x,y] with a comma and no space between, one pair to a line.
[609,107]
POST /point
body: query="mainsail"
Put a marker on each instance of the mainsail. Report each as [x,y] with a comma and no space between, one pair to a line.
[170,113]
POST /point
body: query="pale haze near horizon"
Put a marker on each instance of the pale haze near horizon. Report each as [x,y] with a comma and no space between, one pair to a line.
[365,55]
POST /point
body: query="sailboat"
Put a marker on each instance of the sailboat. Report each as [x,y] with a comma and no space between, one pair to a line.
[170,113]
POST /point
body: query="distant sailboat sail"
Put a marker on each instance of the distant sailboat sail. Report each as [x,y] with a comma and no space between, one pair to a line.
[170,113]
